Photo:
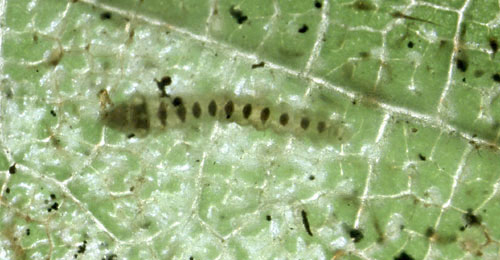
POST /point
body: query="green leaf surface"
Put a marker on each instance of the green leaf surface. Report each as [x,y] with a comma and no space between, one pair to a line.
[412,87]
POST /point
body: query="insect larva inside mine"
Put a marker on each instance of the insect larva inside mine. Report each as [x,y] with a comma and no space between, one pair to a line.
[229,109]
[144,114]
[196,110]
[264,115]
[284,119]
[212,108]
[247,111]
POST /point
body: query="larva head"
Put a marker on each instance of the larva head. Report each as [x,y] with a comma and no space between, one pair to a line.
[129,117]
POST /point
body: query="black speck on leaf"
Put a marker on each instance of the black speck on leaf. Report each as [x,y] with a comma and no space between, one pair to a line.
[54,206]
[238,15]
[363,5]
[82,247]
[258,65]
[356,235]
[52,112]
[471,219]
[106,16]
[496,77]
[462,64]
[493,45]
[421,157]
[162,83]
[12,169]
[305,221]
[429,232]
[410,44]
[318,4]
[303,29]
[403,256]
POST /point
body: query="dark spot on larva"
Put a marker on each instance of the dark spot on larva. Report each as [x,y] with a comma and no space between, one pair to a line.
[229,109]
[493,45]
[318,4]
[264,115]
[237,15]
[247,111]
[305,221]
[410,44]
[52,112]
[268,217]
[471,219]
[304,123]
[496,77]
[421,157]
[162,83]
[196,110]
[462,64]
[284,119]
[12,169]
[356,235]
[321,127]
[140,116]
[106,16]
[429,232]
[363,5]
[303,29]
[162,113]
[212,108]
[258,65]
[181,112]
[177,101]
[403,256]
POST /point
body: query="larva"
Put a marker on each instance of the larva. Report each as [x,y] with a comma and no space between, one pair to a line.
[142,115]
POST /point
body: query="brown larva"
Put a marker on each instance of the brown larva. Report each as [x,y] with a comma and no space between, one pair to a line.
[142,115]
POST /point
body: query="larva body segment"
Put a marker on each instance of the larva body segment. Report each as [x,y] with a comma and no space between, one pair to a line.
[142,115]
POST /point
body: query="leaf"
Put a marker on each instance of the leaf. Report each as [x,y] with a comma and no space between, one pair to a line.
[414,87]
